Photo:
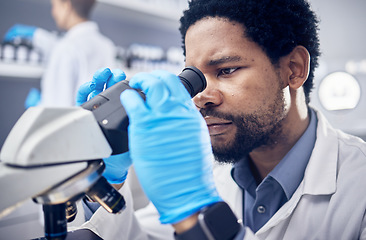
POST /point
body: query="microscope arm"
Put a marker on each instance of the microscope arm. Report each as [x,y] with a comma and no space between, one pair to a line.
[44,136]
[46,147]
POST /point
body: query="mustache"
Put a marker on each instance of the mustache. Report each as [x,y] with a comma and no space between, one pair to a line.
[240,119]
[214,113]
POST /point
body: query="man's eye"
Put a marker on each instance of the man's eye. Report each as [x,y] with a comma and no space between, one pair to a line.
[227,71]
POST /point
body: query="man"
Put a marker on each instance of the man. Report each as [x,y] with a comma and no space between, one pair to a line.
[69,60]
[288,173]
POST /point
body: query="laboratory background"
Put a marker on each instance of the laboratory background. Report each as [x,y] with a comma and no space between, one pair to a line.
[147,37]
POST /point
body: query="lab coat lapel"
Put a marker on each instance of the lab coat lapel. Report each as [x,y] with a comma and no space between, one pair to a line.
[319,178]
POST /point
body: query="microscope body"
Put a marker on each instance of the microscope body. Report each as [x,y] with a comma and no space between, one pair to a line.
[46,147]
[54,155]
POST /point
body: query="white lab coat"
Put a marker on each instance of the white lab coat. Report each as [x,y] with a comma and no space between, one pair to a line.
[72,61]
[329,203]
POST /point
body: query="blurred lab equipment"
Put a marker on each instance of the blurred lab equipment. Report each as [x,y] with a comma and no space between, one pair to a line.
[69,60]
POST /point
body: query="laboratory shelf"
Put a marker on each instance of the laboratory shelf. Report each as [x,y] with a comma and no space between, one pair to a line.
[19,70]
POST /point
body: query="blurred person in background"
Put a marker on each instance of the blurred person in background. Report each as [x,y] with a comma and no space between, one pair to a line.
[70,60]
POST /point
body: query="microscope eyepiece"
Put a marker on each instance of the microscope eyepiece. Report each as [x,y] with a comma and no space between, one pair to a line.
[193,80]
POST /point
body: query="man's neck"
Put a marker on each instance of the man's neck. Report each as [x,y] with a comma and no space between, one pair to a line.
[266,158]
[75,21]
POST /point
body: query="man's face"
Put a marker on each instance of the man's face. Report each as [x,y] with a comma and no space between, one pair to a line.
[60,12]
[244,102]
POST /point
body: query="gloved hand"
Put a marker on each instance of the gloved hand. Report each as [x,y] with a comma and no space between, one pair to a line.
[33,98]
[116,165]
[21,31]
[170,146]
[102,79]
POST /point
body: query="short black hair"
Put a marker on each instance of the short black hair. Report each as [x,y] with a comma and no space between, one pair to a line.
[277,26]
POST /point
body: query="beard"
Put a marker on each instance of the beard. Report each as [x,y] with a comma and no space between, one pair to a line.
[261,128]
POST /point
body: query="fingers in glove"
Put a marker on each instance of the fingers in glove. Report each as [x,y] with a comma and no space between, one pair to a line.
[156,90]
[133,104]
[173,83]
[83,92]
[100,78]
[117,76]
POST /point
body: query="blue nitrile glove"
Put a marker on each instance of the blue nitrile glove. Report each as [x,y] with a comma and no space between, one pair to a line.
[170,146]
[21,31]
[33,98]
[116,165]
[102,79]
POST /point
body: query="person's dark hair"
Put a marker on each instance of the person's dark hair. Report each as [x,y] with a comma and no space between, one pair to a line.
[277,26]
[83,7]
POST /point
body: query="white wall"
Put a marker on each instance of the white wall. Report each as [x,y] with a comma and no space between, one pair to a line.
[342,39]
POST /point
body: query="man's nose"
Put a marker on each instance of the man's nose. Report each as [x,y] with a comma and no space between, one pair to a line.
[210,97]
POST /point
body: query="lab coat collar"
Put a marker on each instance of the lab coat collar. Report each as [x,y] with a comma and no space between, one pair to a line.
[82,28]
[320,176]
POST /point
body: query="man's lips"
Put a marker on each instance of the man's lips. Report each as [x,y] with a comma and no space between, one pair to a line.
[217,126]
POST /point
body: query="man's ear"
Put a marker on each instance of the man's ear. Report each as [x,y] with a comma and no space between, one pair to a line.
[299,66]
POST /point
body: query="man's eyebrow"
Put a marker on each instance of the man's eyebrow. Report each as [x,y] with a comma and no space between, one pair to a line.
[224,60]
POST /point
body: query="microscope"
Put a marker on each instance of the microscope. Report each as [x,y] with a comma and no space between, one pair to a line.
[55,155]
